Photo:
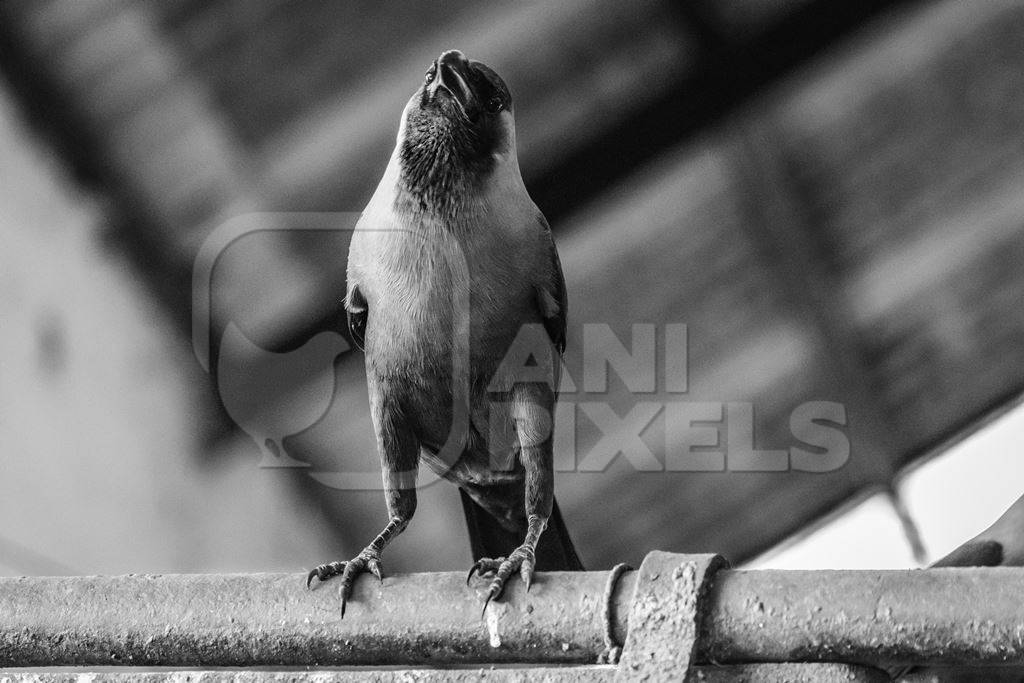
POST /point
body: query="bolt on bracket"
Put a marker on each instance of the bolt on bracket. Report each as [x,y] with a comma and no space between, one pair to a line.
[665,615]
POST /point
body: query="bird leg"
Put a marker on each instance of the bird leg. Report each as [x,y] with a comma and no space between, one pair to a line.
[523,559]
[533,426]
[366,561]
[398,450]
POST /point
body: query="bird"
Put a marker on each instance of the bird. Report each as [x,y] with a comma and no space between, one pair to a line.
[452,259]
[273,395]
[1000,545]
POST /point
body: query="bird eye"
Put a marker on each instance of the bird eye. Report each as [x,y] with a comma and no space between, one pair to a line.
[494,104]
[431,72]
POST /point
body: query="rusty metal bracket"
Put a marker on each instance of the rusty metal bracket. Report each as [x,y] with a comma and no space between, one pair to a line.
[665,615]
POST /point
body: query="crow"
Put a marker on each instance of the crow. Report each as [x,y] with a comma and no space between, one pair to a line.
[455,294]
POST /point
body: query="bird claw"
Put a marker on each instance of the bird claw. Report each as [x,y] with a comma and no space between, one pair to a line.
[324,572]
[375,569]
[366,561]
[483,566]
[490,596]
[522,559]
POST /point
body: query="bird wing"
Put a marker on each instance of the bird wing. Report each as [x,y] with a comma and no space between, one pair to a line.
[1002,544]
[976,553]
[357,310]
[551,294]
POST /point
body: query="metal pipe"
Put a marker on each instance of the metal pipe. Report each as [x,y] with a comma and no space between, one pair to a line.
[925,616]
[933,616]
[505,673]
[271,620]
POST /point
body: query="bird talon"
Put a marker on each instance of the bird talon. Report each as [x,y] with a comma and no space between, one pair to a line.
[490,596]
[472,570]
[484,566]
[324,572]
[374,567]
[526,573]
[364,562]
[503,568]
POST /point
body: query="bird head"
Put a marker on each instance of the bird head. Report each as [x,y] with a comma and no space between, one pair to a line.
[456,131]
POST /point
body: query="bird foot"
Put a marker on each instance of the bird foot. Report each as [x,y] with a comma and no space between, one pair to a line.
[366,561]
[521,559]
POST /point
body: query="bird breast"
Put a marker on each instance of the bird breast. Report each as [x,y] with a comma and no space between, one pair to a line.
[427,286]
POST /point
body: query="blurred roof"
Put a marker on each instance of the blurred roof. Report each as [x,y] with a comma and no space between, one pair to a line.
[827,193]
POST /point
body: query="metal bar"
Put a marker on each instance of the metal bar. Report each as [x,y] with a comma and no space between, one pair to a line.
[924,616]
[750,673]
[492,674]
[951,616]
[271,620]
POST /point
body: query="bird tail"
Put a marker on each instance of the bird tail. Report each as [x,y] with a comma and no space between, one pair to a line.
[488,538]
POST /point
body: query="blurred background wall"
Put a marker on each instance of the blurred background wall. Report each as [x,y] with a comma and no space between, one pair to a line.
[830,195]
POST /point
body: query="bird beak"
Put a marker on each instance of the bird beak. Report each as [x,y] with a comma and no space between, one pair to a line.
[453,78]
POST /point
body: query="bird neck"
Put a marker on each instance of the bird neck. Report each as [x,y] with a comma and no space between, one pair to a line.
[441,167]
